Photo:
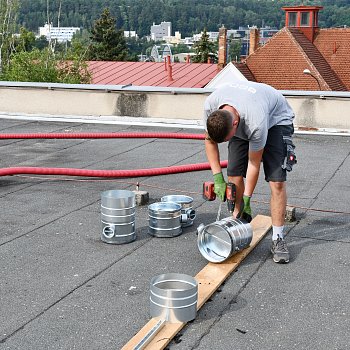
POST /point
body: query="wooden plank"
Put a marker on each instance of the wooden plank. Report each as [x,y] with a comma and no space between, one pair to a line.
[209,280]
[213,275]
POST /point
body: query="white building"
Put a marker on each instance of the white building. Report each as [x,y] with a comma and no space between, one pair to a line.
[61,34]
[130,34]
[175,40]
[212,36]
[158,31]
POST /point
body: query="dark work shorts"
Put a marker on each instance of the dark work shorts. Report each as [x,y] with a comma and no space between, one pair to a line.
[273,158]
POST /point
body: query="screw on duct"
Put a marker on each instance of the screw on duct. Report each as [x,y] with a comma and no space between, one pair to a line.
[164,219]
[173,299]
[118,216]
[188,214]
[222,239]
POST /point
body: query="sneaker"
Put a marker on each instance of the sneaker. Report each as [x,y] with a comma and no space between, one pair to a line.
[279,250]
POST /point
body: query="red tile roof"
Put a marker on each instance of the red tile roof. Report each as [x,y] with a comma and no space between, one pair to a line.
[334,45]
[281,62]
[243,68]
[319,62]
[189,75]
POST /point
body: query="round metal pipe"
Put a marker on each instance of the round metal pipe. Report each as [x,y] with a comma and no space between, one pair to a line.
[174,297]
[118,216]
[188,214]
[220,240]
[164,219]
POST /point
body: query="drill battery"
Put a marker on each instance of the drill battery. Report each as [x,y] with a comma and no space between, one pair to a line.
[230,195]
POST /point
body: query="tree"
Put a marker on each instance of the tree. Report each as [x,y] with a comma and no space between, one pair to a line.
[45,66]
[204,49]
[80,44]
[41,42]
[107,43]
[180,48]
[8,14]
[25,41]
[235,50]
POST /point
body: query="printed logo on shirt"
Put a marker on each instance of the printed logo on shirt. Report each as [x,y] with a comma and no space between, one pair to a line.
[243,87]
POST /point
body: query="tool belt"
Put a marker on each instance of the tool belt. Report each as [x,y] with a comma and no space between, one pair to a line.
[290,158]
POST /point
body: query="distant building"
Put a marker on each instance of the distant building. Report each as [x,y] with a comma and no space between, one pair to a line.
[174,40]
[242,34]
[188,41]
[61,34]
[158,31]
[266,34]
[212,36]
[130,34]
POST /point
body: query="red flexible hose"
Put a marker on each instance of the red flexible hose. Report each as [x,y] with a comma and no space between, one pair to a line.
[104,135]
[108,173]
[105,173]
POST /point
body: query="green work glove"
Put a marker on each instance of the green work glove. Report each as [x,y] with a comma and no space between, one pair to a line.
[246,212]
[220,186]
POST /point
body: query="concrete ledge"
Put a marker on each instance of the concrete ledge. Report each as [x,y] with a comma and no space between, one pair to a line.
[314,110]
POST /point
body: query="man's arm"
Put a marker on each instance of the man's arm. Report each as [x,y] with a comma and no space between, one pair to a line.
[253,171]
[213,155]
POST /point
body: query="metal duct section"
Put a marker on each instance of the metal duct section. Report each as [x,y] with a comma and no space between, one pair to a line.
[220,240]
[188,214]
[174,297]
[164,219]
[118,216]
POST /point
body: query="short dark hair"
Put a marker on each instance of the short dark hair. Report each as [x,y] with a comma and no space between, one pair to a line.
[219,124]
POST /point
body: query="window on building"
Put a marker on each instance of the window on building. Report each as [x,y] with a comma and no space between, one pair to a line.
[292,19]
[305,19]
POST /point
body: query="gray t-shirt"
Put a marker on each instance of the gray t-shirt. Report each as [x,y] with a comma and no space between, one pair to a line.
[260,107]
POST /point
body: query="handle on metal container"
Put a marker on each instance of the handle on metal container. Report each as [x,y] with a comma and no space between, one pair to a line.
[109,231]
[189,215]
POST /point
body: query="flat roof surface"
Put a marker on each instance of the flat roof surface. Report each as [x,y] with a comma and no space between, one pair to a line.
[63,288]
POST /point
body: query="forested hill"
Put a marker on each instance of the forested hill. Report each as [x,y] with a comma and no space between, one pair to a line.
[187,16]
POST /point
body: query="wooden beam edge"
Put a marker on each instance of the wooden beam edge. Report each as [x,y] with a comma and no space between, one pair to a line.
[261,225]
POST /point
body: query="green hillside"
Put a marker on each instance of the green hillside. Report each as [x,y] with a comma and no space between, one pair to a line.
[188,17]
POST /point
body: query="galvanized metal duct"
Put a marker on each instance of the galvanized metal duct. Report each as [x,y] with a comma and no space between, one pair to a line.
[174,297]
[118,216]
[164,219]
[220,240]
[188,214]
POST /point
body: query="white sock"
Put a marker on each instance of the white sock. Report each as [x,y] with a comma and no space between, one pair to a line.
[277,231]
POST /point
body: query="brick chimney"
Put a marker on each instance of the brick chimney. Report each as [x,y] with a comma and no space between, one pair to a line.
[305,18]
[253,40]
[169,68]
[170,72]
[222,47]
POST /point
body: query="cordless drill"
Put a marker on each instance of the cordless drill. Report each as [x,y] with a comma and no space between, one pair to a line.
[230,196]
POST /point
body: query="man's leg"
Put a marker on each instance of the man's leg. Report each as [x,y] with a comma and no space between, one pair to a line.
[275,173]
[278,202]
[237,168]
[280,253]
